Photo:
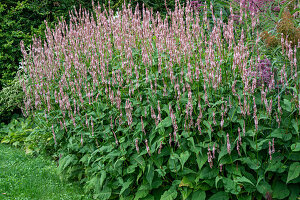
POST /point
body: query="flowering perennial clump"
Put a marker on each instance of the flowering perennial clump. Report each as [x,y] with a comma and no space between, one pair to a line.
[146,98]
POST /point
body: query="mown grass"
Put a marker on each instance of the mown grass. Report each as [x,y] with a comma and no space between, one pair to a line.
[25,177]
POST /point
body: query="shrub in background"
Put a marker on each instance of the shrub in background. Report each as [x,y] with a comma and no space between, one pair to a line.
[156,109]
[21,20]
[11,100]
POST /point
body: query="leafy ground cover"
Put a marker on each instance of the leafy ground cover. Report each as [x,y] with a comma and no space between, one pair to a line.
[23,177]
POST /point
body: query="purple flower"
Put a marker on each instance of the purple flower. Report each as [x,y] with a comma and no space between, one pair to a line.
[264,71]
[276,8]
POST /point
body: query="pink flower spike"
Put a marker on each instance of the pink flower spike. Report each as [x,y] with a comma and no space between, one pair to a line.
[137,145]
[238,147]
[214,149]
[270,150]
[240,139]
[147,147]
[160,147]
[228,145]
[273,148]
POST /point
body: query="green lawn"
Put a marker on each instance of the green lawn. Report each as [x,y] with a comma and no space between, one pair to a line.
[25,177]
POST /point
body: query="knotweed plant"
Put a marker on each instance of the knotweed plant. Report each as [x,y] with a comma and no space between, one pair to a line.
[141,106]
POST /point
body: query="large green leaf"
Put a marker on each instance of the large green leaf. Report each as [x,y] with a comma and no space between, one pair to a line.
[102,178]
[104,194]
[165,123]
[231,186]
[184,156]
[287,105]
[223,152]
[126,185]
[218,178]
[296,125]
[148,197]
[150,174]
[294,171]
[252,163]
[219,196]
[201,160]
[143,191]
[295,191]
[243,180]
[208,173]
[263,187]
[198,195]
[169,194]
[186,182]
[296,146]
[277,133]
[141,194]
[280,190]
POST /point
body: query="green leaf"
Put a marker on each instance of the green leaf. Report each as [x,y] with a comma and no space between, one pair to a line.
[169,194]
[207,124]
[294,171]
[295,125]
[186,182]
[287,105]
[201,161]
[104,194]
[219,196]
[208,173]
[295,191]
[65,162]
[141,194]
[173,163]
[275,167]
[243,180]
[280,190]
[263,187]
[185,192]
[102,178]
[156,183]
[130,169]
[148,197]
[223,152]
[5,140]
[199,195]
[295,10]
[218,178]
[165,123]
[150,174]
[252,163]
[126,185]
[295,147]
[231,186]
[184,156]
[139,160]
